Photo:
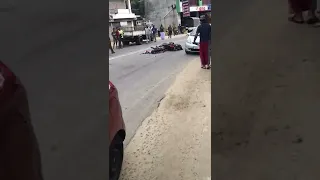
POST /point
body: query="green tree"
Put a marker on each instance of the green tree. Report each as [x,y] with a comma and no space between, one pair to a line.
[138,8]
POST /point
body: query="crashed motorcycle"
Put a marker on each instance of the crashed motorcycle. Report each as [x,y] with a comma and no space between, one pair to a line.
[164,47]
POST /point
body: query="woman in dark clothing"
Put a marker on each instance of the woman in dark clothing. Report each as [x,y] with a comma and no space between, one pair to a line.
[114,37]
[298,7]
[170,31]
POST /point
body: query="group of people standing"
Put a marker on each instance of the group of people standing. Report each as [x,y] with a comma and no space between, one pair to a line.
[117,37]
[172,30]
[296,9]
[151,33]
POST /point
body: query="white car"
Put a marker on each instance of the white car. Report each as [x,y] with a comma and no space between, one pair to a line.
[189,46]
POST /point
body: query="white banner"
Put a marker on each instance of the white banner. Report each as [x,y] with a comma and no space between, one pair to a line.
[196,8]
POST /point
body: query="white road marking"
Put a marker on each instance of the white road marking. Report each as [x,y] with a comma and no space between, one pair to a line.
[134,52]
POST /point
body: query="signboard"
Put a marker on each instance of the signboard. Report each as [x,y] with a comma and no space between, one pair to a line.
[195,8]
[198,8]
[185,8]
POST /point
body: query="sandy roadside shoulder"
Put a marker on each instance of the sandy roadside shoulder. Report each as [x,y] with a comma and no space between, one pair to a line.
[174,143]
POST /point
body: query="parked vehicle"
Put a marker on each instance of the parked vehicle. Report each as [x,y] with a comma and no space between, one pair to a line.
[189,46]
[20,154]
[191,23]
[117,134]
[136,34]
[133,26]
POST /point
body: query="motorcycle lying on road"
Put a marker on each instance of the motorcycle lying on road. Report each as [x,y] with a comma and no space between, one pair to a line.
[165,47]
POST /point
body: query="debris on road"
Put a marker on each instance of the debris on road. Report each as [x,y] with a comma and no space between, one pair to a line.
[171,46]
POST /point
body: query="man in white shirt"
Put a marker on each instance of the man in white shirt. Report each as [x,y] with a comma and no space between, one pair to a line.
[148,33]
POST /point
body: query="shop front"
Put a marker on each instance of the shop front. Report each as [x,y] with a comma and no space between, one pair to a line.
[196,7]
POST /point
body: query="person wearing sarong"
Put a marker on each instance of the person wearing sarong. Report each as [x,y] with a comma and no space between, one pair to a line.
[297,7]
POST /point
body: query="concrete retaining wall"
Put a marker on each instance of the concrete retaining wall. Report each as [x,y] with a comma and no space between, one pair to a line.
[156,10]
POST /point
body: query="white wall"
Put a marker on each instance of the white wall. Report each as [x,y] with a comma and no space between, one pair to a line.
[114,5]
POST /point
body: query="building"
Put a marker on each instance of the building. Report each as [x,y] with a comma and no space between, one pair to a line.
[197,7]
[170,11]
[114,5]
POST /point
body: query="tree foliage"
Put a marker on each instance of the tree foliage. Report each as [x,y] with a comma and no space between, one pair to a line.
[138,7]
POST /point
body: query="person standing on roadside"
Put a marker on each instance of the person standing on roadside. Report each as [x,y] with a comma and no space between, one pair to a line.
[147,32]
[121,34]
[110,46]
[208,18]
[114,37]
[174,30]
[118,37]
[162,34]
[170,31]
[154,33]
[19,150]
[204,30]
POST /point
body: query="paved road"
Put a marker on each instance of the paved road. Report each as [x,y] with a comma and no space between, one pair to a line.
[265,93]
[61,57]
[142,79]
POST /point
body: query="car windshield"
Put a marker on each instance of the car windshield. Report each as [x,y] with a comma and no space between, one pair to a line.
[194,31]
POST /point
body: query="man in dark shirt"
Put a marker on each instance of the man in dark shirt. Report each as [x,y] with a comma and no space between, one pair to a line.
[19,150]
[204,30]
[114,37]
[154,33]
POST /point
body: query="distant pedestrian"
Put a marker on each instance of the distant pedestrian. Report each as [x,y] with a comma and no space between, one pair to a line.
[170,31]
[180,29]
[162,34]
[154,33]
[148,34]
[114,38]
[174,30]
[204,30]
[110,46]
[121,34]
[118,37]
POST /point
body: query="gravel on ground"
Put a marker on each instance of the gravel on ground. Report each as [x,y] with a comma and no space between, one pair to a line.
[174,143]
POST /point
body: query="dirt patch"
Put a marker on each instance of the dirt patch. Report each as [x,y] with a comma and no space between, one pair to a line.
[175,141]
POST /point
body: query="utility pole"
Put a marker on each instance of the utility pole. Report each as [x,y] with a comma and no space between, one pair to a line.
[129,5]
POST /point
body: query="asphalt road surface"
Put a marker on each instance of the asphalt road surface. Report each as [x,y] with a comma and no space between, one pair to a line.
[143,79]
